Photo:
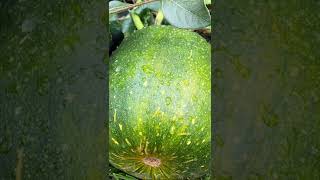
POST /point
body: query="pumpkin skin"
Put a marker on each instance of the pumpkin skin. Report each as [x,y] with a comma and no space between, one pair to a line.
[160,107]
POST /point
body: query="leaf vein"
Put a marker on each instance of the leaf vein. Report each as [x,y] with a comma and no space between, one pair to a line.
[192,13]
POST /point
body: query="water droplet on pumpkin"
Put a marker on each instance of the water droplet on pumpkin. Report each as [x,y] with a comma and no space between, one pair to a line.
[168,101]
[172,130]
[185,82]
[189,142]
[194,98]
[148,69]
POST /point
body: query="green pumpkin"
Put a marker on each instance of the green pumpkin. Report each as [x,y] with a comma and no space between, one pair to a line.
[160,108]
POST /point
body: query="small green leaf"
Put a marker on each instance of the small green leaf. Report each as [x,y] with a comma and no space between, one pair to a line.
[186,13]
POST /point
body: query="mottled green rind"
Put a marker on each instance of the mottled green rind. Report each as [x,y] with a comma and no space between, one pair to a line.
[160,104]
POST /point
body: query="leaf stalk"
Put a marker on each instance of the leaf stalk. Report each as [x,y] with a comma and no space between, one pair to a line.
[159,17]
[119,10]
[137,21]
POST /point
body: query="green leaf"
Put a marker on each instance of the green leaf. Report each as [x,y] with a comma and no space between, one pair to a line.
[120,23]
[154,6]
[192,14]
[115,5]
[128,26]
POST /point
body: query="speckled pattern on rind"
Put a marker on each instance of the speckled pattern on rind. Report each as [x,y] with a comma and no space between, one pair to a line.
[160,104]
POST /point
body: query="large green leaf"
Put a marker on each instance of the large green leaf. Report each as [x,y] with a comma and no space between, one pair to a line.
[154,6]
[113,6]
[191,14]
